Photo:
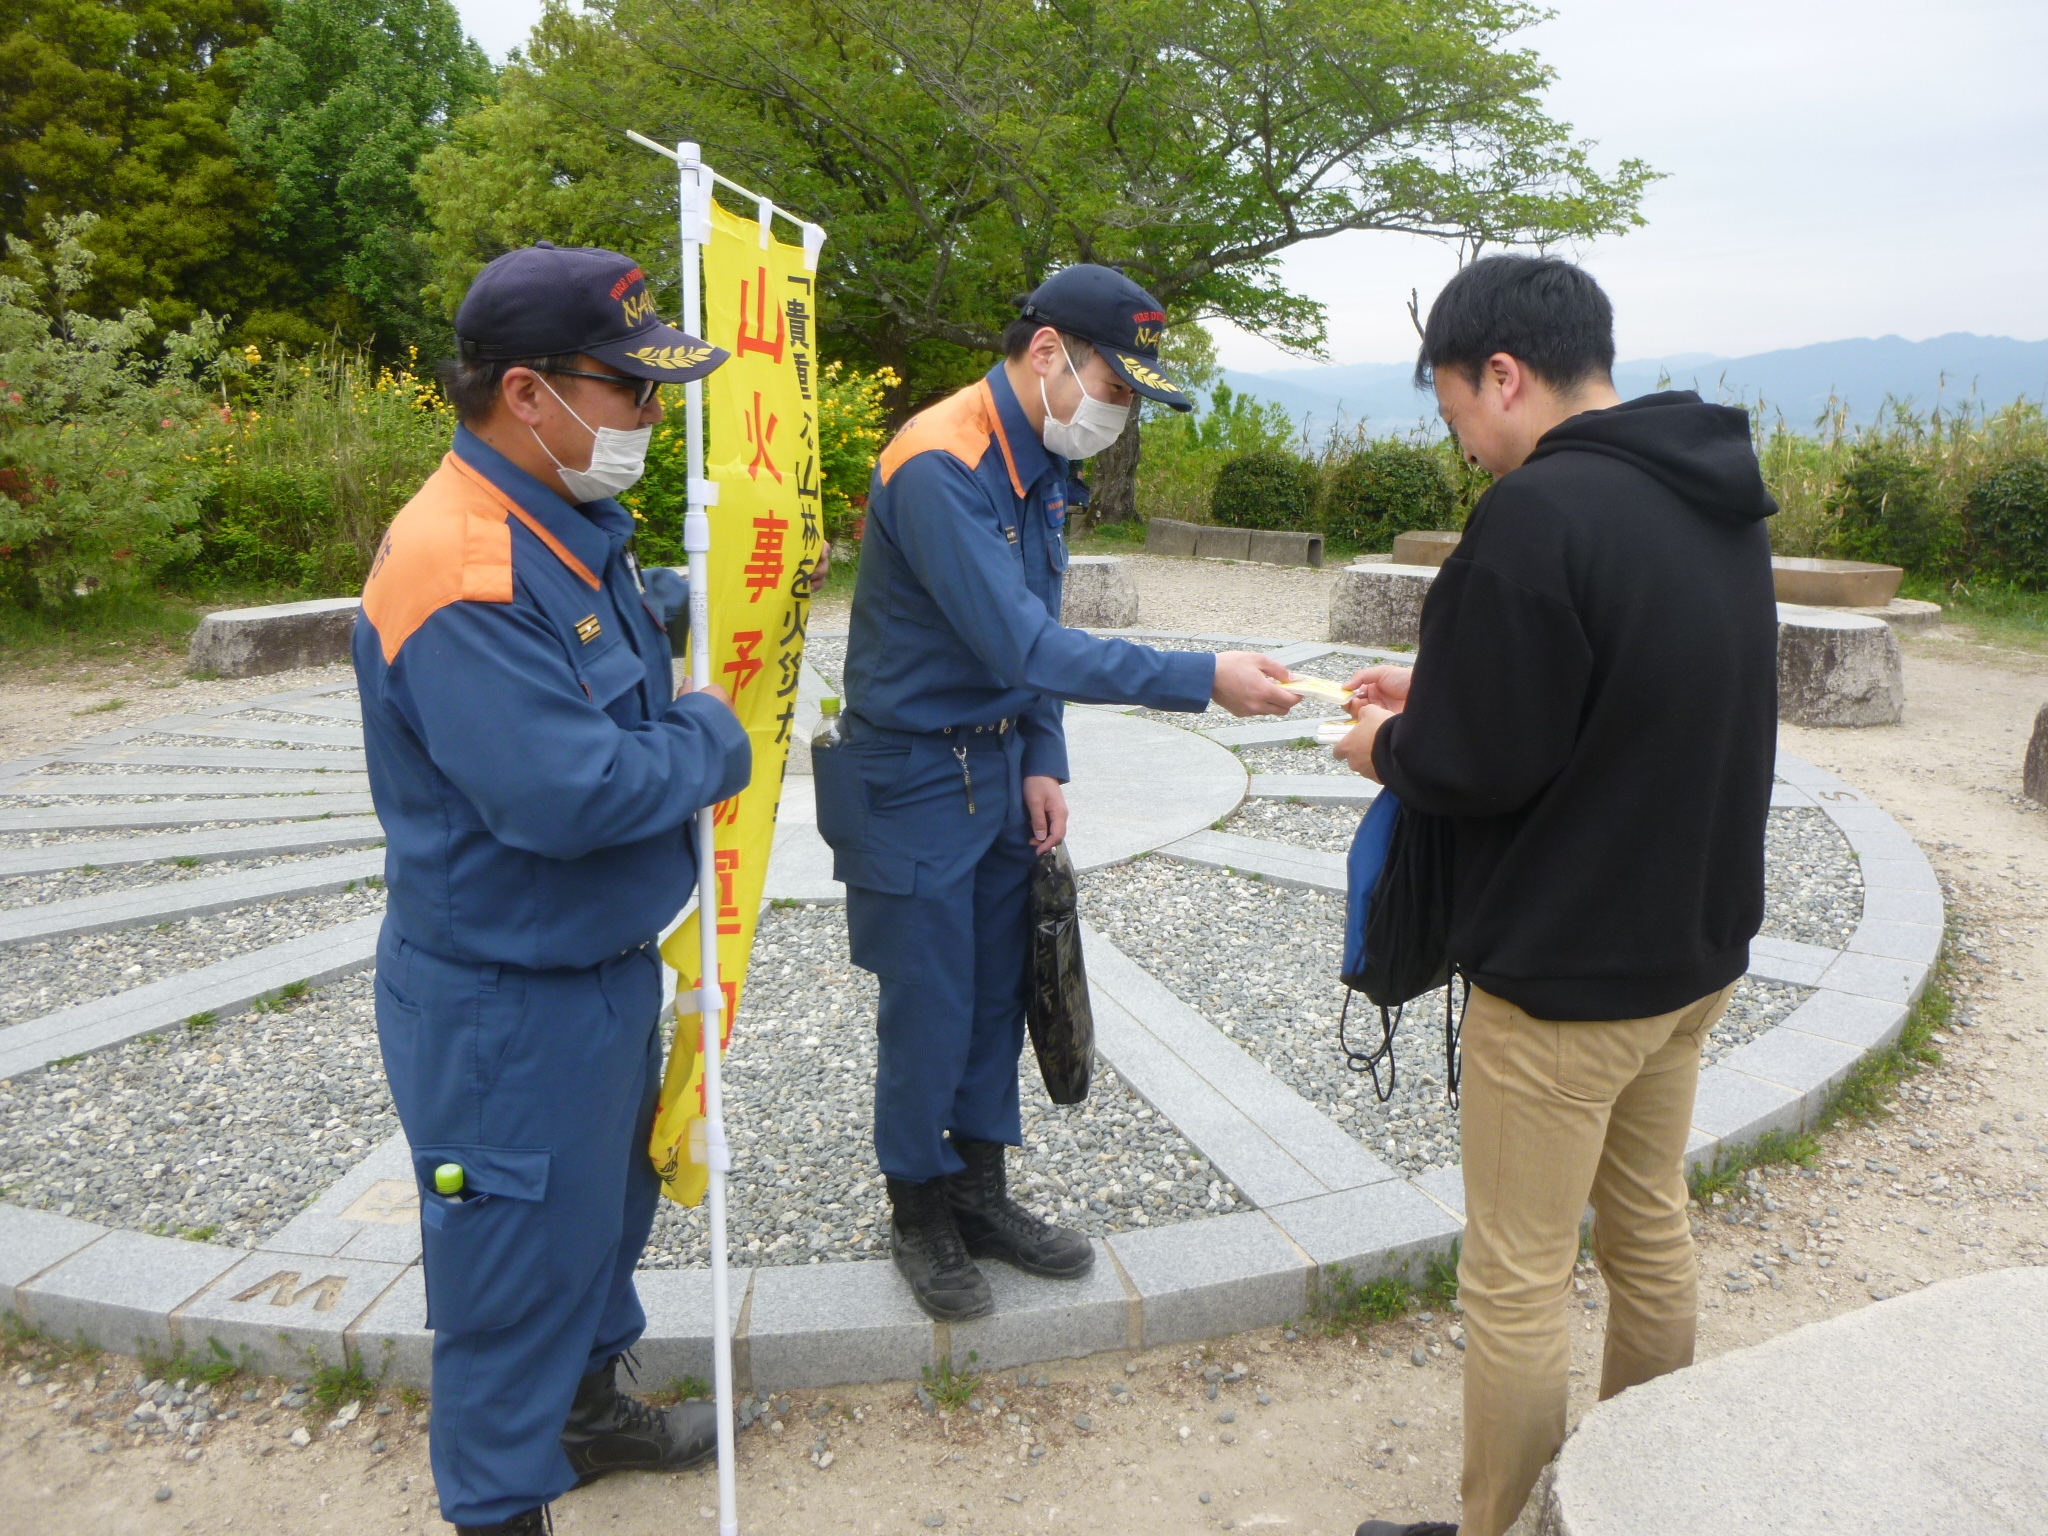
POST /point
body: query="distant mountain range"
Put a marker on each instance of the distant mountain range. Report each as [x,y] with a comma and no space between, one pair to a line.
[1797,382]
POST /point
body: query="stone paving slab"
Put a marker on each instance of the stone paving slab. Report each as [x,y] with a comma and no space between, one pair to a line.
[164,1005]
[1891,904]
[1205,1279]
[1315,788]
[102,784]
[121,1292]
[1268,1140]
[1382,1229]
[1040,1319]
[1262,733]
[237,759]
[1788,960]
[220,843]
[391,1334]
[274,1310]
[815,1325]
[33,1241]
[1867,1022]
[185,813]
[1735,1108]
[178,899]
[348,711]
[233,728]
[1920,1414]
[1279,863]
[349,1207]
[1809,1065]
[1894,981]
[678,1343]
[1916,942]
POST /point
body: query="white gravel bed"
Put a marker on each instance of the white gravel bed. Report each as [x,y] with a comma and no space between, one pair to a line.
[199,773]
[1286,757]
[242,743]
[40,978]
[1813,889]
[828,657]
[800,1114]
[1260,961]
[1329,828]
[288,717]
[224,1133]
[11,840]
[88,880]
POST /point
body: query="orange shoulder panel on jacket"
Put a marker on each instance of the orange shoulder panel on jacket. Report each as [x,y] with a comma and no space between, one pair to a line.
[450,544]
[962,424]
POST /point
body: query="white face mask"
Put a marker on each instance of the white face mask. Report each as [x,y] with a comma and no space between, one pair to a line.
[617,459]
[1095,426]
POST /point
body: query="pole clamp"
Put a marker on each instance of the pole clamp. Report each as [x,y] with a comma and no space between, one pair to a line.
[703,493]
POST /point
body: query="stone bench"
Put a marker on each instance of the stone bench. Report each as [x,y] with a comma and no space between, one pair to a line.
[1165,536]
[1425,546]
[1098,593]
[1921,1413]
[1834,583]
[249,642]
[1379,604]
[1837,668]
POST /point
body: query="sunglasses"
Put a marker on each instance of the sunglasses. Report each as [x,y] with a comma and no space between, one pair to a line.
[643,389]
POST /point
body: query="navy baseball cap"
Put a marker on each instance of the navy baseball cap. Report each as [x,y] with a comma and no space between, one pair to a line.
[547,300]
[1101,305]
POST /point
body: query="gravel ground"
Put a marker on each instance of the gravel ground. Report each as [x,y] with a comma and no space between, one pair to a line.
[10,840]
[1327,827]
[1813,890]
[40,978]
[85,880]
[225,1133]
[827,653]
[1287,758]
[799,1102]
[1205,934]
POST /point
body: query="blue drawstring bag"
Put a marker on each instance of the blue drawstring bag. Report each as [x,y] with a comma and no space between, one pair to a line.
[1397,925]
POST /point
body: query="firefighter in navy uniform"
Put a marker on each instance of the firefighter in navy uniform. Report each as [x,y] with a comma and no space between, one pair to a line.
[536,778]
[946,785]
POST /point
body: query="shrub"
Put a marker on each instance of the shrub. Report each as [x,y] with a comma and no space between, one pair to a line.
[1266,489]
[105,437]
[2006,513]
[328,448]
[1181,452]
[1388,487]
[1886,508]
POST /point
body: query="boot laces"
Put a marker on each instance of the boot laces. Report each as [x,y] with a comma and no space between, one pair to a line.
[937,1225]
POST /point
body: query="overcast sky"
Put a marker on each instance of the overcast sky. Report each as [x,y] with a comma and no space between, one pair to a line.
[1835,168]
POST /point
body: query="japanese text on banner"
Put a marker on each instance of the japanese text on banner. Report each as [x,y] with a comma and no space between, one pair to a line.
[766,532]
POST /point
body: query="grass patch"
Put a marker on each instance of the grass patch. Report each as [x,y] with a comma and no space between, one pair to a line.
[2000,615]
[140,625]
[1867,1094]
[333,1385]
[21,1342]
[290,992]
[951,1388]
[205,1234]
[102,709]
[1343,1304]
[683,1389]
[185,861]
[215,1366]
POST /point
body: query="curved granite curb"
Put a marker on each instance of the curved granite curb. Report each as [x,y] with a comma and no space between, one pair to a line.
[344,1275]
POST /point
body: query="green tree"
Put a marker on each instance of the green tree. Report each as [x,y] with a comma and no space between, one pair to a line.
[119,108]
[339,103]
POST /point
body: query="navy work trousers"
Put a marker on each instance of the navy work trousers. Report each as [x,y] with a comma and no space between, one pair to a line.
[938,907]
[541,1084]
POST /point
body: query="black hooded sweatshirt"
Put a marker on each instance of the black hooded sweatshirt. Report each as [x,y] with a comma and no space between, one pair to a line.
[1595,705]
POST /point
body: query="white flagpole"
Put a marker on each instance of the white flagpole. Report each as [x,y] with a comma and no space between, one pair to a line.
[694,185]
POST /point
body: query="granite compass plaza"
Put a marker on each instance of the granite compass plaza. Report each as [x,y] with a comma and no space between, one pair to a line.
[196,1143]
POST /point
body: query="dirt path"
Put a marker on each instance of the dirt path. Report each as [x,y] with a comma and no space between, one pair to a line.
[1350,1427]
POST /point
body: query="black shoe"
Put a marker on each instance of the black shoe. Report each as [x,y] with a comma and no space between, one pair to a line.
[995,1226]
[611,1432]
[927,1247]
[1421,1528]
[535,1522]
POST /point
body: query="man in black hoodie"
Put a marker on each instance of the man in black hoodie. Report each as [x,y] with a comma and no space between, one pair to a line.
[1594,706]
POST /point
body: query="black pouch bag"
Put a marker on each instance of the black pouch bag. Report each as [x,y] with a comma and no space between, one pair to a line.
[1398,929]
[1062,1025]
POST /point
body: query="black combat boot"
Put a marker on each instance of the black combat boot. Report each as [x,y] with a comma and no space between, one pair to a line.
[611,1432]
[928,1250]
[994,1225]
[535,1522]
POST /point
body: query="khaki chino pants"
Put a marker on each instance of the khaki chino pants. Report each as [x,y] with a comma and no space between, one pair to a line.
[1553,1114]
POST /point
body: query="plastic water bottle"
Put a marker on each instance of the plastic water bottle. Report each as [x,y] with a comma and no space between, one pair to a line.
[825,734]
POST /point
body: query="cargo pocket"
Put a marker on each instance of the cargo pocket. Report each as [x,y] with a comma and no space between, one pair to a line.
[611,675]
[487,1253]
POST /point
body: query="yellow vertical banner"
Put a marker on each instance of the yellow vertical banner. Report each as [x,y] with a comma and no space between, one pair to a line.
[761,417]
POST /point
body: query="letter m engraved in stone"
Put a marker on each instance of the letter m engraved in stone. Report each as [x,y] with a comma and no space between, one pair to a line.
[285,1290]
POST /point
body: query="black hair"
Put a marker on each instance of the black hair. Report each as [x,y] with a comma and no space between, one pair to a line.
[471,383]
[1547,314]
[1018,333]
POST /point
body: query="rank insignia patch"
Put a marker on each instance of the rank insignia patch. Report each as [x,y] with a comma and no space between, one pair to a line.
[588,629]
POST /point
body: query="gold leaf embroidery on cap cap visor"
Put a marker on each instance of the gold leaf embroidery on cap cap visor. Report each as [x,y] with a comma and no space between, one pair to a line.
[1145,375]
[670,357]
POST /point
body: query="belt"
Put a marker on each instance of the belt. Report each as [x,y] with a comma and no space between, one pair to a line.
[1001,727]
[860,725]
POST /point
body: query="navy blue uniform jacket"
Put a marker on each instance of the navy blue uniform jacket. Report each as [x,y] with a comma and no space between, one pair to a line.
[533,772]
